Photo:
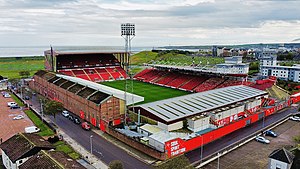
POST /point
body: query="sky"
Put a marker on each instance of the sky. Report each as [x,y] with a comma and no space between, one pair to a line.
[157,22]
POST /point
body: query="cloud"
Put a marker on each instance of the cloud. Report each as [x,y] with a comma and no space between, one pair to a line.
[158,23]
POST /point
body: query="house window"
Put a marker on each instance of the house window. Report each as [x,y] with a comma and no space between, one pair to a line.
[278,166]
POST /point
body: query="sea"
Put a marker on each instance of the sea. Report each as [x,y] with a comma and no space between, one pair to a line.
[26,51]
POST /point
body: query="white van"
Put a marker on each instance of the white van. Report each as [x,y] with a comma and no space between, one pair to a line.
[31,129]
[9,104]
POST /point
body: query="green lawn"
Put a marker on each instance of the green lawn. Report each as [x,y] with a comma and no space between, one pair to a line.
[45,130]
[17,100]
[10,67]
[150,92]
[63,147]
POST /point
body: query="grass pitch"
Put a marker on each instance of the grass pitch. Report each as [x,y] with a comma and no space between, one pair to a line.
[149,91]
[10,67]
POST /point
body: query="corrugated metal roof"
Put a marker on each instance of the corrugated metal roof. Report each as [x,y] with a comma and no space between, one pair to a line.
[188,105]
[131,98]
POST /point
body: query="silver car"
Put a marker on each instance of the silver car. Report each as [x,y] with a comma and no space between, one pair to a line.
[262,140]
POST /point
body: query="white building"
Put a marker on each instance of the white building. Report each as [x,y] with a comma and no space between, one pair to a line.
[280,159]
[21,147]
[269,67]
[233,65]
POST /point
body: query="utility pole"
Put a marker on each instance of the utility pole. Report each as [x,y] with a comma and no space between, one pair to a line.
[42,111]
[91,142]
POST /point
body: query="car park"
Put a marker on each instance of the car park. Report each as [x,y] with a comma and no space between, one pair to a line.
[18,117]
[295,118]
[262,139]
[71,117]
[76,120]
[85,126]
[65,113]
[15,107]
[270,133]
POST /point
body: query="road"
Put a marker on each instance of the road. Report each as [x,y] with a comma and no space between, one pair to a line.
[214,147]
[102,148]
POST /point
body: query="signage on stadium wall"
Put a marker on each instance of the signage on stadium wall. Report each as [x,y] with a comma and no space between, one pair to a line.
[175,147]
[81,113]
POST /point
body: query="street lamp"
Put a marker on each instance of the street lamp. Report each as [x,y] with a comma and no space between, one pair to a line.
[42,111]
[218,167]
[201,148]
[91,142]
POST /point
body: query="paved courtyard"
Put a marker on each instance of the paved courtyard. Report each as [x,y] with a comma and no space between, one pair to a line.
[255,154]
[8,126]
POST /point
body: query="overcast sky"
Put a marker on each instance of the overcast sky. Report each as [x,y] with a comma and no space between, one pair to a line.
[158,22]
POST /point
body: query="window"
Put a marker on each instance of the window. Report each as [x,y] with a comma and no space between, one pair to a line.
[278,166]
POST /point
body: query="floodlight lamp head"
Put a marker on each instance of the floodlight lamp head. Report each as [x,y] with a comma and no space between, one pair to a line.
[127,29]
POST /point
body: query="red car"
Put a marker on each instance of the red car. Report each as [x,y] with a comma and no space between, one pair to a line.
[85,126]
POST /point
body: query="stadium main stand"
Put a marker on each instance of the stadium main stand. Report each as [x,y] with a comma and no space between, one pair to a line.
[187,82]
[97,74]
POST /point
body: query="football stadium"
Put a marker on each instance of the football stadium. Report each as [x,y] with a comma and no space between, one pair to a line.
[165,110]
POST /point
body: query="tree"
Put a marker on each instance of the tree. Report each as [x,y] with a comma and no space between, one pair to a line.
[180,162]
[115,164]
[53,107]
[24,74]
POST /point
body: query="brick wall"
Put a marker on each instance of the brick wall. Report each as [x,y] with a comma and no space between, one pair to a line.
[135,144]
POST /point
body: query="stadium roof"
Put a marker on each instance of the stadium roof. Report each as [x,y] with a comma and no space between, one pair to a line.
[185,106]
[72,52]
[203,69]
[130,98]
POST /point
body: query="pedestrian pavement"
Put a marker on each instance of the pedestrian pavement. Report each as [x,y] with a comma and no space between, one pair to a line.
[89,161]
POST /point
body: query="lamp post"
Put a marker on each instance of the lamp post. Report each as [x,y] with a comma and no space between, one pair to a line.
[218,167]
[42,111]
[91,142]
[201,148]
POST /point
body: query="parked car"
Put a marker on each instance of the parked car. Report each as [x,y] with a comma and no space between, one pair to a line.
[26,97]
[65,113]
[76,120]
[270,133]
[71,117]
[31,129]
[9,104]
[85,126]
[3,93]
[6,95]
[18,117]
[262,140]
[295,118]
[15,106]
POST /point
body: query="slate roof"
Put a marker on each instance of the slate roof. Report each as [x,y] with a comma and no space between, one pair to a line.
[51,160]
[282,155]
[22,145]
[189,105]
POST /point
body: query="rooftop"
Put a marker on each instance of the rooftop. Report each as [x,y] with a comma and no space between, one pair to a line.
[21,144]
[130,98]
[193,104]
[282,155]
[51,160]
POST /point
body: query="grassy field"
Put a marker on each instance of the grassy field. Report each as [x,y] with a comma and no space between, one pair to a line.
[63,147]
[150,92]
[10,67]
[172,58]
[45,130]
